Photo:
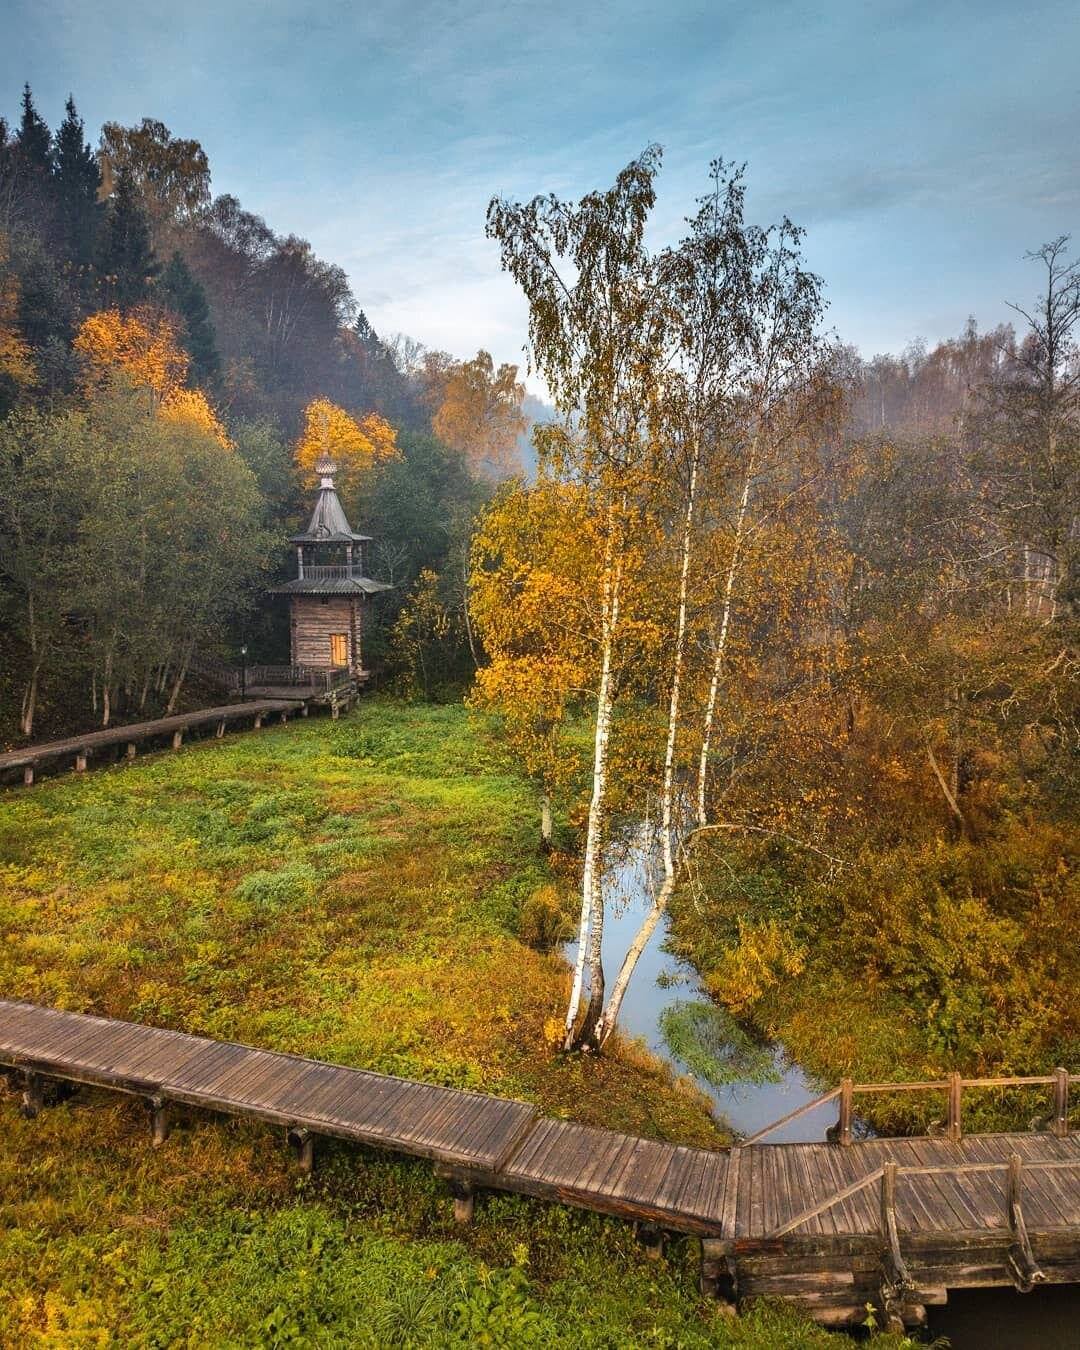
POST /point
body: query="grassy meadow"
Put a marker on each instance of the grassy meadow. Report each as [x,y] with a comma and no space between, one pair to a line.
[350,890]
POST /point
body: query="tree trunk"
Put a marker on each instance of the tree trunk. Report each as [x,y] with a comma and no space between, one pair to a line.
[610,1015]
[721,643]
[178,683]
[29,700]
[545,821]
[591,922]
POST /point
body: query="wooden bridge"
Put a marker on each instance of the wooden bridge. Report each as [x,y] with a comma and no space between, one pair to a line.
[335,690]
[832,1227]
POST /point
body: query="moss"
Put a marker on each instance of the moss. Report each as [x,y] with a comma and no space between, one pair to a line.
[351,890]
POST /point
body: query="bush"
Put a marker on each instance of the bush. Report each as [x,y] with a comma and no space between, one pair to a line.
[544,922]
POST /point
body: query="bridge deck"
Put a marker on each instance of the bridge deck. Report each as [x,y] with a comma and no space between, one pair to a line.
[757,1202]
[30,756]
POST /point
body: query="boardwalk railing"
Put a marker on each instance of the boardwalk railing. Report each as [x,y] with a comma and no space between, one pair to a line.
[953,1087]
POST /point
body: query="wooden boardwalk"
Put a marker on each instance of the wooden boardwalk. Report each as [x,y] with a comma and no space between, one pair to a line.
[894,1222]
[80,749]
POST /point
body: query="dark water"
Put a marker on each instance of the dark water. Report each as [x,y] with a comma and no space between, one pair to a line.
[991,1319]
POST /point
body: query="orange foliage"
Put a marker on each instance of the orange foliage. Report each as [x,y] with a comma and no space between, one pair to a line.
[16,363]
[353,445]
[142,345]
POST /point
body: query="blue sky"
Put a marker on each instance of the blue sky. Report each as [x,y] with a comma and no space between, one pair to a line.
[925,146]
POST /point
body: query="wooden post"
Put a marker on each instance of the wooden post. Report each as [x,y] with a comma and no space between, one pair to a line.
[284,718]
[303,709]
[847,1096]
[33,1094]
[160,1120]
[955,1093]
[80,762]
[897,1285]
[302,1143]
[1021,1260]
[652,1239]
[177,739]
[28,776]
[464,1199]
[220,729]
[131,749]
[1059,1125]
[258,721]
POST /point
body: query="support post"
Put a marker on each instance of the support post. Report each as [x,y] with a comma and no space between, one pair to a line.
[464,1199]
[1021,1261]
[284,718]
[955,1093]
[28,776]
[897,1285]
[177,739]
[258,721]
[80,762]
[847,1097]
[33,1094]
[303,709]
[1059,1125]
[160,1120]
[652,1239]
[302,1143]
[131,749]
[220,729]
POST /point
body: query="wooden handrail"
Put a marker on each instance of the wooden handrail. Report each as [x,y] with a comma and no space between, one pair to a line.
[903,1170]
[953,1086]
[792,1115]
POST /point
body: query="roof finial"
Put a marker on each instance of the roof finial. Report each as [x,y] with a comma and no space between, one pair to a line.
[326,468]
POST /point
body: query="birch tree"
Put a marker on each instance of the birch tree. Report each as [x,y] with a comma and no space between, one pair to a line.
[593,321]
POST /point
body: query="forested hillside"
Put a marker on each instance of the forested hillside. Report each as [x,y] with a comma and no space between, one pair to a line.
[163,353]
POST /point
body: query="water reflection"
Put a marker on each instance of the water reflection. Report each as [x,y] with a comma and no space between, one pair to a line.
[662,981]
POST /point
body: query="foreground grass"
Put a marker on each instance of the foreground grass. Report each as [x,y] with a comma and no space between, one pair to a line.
[348,890]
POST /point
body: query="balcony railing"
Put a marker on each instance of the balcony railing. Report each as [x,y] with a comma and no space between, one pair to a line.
[341,572]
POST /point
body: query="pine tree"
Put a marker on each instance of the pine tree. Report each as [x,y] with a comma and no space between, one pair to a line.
[125,254]
[184,295]
[34,140]
[77,183]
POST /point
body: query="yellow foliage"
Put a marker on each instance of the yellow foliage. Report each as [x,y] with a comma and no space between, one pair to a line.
[189,407]
[142,345]
[354,445]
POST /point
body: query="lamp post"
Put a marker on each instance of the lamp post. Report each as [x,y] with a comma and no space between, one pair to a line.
[243,672]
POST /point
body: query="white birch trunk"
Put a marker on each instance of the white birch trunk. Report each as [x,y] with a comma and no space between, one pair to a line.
[610,1016]
[721,642]
[592,910]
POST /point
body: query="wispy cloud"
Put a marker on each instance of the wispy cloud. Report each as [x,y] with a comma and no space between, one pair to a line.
[924,143]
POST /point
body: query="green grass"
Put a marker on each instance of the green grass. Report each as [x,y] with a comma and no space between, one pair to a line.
[349,890]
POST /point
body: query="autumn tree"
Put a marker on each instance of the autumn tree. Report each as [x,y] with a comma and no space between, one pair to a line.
[354,445]
[168,176]
[477,410]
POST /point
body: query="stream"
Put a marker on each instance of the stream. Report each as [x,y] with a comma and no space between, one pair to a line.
[973,1319]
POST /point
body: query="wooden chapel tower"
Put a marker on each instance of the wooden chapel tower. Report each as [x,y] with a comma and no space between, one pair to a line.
[326,598]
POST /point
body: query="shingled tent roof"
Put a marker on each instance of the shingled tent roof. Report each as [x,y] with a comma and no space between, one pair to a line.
[328,523]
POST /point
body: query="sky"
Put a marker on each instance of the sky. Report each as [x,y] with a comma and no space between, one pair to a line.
[924,146]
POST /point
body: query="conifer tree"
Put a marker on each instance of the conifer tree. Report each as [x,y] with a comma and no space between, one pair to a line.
[125,255]
[184,295]
[77,183]
[33,139]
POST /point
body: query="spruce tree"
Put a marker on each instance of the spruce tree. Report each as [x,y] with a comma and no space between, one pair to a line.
[184,295]
[34,140]
[125,254]
[77,183]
